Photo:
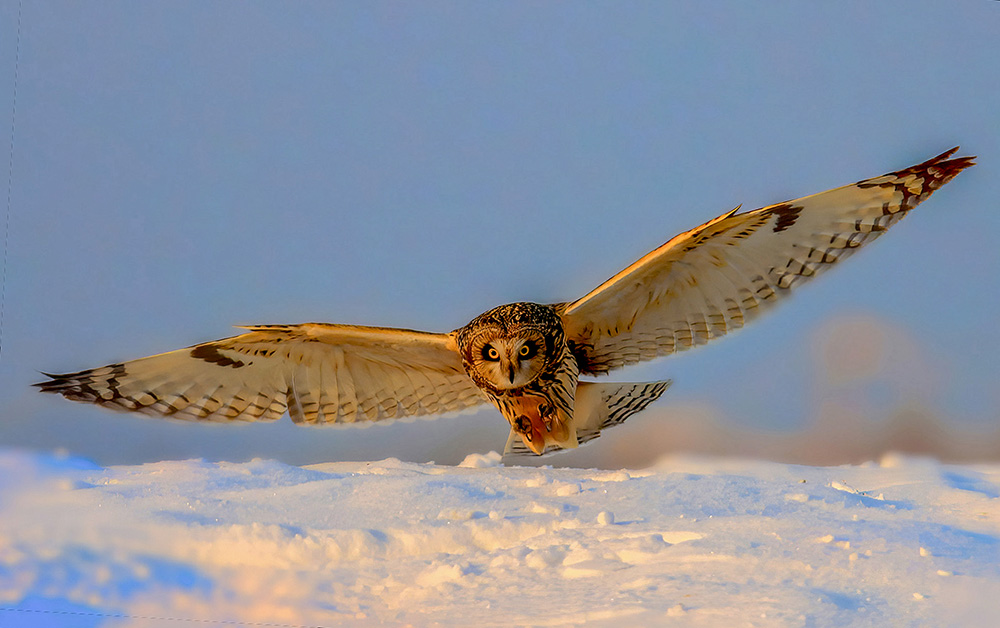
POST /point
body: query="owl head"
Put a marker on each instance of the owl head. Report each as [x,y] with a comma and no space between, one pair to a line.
[510,346]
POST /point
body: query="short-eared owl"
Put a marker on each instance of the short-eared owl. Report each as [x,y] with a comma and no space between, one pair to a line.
[524,358]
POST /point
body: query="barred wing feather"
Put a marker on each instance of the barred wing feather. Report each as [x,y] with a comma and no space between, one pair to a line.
[320,373]
[717,277]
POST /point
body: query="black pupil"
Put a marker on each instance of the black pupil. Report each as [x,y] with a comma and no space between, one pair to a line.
[490,353]
[527,350]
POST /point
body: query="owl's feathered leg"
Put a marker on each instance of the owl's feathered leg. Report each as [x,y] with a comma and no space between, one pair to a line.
[598,406]
[535,421]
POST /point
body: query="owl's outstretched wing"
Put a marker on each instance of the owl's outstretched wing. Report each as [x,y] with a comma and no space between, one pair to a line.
[717,277]
[320,373]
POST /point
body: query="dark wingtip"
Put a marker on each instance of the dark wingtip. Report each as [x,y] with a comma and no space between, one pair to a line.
[943,159]
[57,383]
[945,155]
[940,169]
[952,167]
[47,386]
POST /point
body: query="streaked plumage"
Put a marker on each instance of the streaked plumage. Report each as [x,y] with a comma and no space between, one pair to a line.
[525,358]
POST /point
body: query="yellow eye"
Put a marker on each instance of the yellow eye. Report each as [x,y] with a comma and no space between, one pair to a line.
[490,353]
[527,350]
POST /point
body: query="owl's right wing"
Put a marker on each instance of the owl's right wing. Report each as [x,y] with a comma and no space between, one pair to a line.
[708,281]
[320,373]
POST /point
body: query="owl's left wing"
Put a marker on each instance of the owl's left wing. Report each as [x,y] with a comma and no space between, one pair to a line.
[713,279]
[320,373]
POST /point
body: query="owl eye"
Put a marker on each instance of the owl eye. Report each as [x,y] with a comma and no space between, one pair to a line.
[528,350]
[490,353]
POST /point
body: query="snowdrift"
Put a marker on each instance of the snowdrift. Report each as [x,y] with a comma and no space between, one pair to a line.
[687,542]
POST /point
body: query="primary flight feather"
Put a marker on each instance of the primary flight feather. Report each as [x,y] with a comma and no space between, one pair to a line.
[524,358]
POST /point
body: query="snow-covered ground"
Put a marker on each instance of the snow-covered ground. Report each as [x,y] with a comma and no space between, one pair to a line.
[688,542]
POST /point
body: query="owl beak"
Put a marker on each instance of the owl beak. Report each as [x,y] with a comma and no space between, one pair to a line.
[510,372]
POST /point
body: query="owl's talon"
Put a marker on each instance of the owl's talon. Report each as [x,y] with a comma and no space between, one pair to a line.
[545,413]
[522,425]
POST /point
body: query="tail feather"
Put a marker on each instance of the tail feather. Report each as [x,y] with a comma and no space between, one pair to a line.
[598,407]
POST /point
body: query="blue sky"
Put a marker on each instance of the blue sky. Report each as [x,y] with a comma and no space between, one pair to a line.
[182,167]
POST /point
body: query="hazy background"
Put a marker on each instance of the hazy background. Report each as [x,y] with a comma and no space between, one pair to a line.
[179,167]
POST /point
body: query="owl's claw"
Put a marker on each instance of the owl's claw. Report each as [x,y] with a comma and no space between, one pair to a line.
[539,425]
[546,413]
[530,433]
[555,427]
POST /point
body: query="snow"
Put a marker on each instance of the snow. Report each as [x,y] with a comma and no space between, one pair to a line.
[689,541]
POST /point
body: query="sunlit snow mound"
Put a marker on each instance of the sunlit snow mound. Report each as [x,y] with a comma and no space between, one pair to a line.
[690,541]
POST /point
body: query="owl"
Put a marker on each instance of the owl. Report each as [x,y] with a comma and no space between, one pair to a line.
[524,358]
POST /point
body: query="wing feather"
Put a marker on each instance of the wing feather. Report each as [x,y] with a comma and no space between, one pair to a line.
[319,373]
[715,278]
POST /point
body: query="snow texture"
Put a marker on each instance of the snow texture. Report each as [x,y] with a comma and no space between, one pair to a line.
[687,542]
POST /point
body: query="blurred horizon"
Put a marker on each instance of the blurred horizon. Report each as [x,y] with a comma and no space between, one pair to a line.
[178,168]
